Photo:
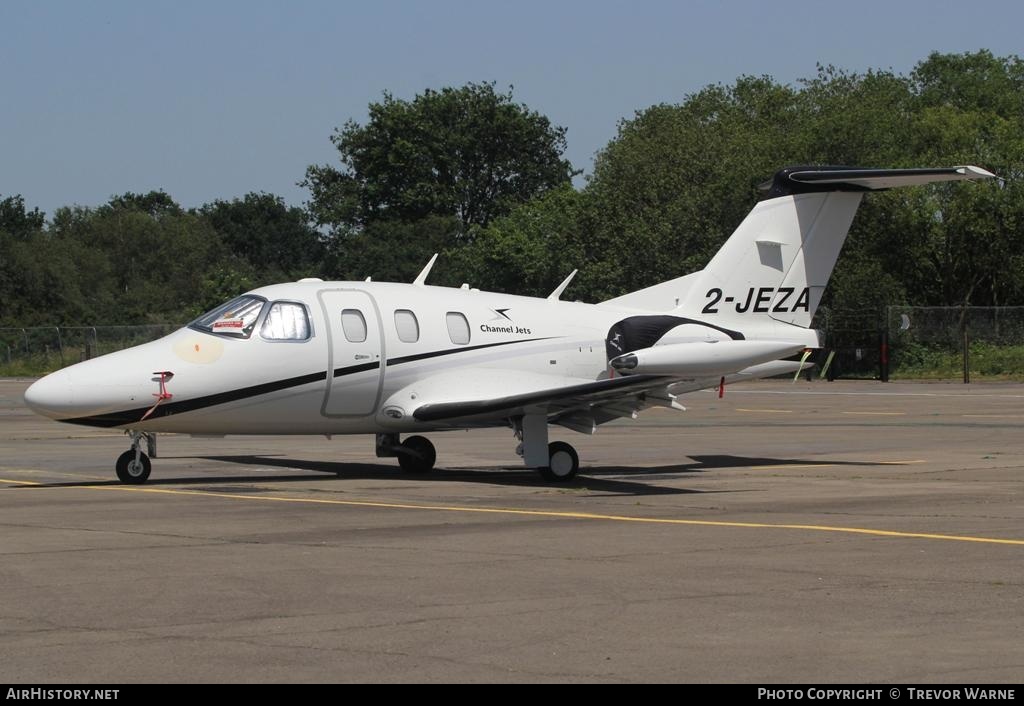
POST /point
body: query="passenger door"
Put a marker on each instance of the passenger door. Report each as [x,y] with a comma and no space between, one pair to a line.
[356,356]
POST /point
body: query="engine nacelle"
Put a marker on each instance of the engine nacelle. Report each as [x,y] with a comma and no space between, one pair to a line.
[703,358]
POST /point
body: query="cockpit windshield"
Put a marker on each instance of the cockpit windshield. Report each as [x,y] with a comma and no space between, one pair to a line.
[237,318]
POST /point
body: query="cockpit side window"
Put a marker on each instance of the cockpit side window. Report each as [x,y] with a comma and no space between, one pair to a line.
[286,321]
[235,319]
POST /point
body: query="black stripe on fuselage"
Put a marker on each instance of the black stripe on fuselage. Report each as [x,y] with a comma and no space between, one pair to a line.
[463,349]
[353,369]
[132,416]
[117,419]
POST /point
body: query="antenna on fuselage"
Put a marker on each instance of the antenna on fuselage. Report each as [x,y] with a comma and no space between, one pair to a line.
[421,278]
[561,288]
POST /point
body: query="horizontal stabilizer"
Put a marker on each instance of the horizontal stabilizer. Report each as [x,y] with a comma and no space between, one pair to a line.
[802,180]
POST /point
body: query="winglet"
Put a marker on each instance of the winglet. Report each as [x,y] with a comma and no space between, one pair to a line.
[561,288]
[421,278]
[976,173]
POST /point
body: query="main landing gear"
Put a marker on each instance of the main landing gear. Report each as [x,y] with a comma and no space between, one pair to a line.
[133,465]
[556,462]
[563,463]
[415,455]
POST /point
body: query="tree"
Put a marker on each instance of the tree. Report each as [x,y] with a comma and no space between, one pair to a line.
[467,153]
[149,258]
[15,221]
[678,179]
[393,251]
[154,204]
[276,240]
[43,280]
[530,250]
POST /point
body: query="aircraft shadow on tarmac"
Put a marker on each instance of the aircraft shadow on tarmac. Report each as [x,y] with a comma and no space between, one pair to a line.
[592,478]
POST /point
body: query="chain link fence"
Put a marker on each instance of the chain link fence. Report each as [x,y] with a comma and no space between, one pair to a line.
[952,342]
[35,349]
[852,343]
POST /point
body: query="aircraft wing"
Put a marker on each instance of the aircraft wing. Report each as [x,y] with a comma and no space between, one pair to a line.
[570,394]
[575,403]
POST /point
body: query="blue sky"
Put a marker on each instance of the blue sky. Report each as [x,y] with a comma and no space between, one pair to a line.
[217,98]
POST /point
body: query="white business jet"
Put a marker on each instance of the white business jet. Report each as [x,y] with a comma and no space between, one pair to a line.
[315,357]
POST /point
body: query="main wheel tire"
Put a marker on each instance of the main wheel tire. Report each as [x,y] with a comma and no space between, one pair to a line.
[419,455]
[131,471]
[563,463]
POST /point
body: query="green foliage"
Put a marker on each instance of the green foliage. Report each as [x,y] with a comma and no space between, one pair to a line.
[391,250]
[142,258]
[222,282]
[470,173]
[678,179]
[273,237]
[529,251]
[467,153]
[156,255]
[925,362]
[16,222]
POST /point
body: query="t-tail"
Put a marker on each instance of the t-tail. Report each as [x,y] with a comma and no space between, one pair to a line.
[771,273]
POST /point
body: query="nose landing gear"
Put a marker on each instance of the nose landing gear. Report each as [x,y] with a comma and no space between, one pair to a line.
[133,466]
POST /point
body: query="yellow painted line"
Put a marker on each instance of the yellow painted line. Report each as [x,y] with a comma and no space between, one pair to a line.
[560,514]
[39,472]
[880,414]
[771,411]
[993,416]
[787,466]
[19,482]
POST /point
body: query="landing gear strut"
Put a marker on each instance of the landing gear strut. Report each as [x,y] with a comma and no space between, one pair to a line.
[133,466]
[556,462]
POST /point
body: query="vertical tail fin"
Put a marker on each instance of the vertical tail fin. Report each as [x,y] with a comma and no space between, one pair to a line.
[775,266]
[777,263]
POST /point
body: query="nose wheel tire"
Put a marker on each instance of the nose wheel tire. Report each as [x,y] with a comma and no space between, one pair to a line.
[563,463]
[131,471]
[417,455]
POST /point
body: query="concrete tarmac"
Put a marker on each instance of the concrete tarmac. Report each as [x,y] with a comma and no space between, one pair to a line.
[816,532]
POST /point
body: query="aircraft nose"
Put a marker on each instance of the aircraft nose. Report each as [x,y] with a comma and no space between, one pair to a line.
[51,396]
